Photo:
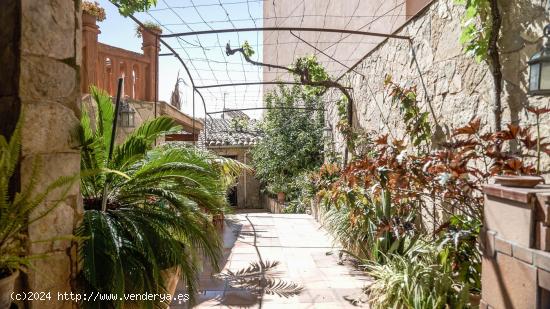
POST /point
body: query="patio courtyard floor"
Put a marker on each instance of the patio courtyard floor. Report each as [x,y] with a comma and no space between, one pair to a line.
[308,273]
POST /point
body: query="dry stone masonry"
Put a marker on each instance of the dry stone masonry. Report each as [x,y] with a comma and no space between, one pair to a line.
[457,87]
[40,54]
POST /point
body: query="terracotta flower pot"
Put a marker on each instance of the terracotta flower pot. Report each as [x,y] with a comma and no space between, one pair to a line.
[281,197]
[519,181]
[6,288]
[149,36]
[475,300]
[88,19]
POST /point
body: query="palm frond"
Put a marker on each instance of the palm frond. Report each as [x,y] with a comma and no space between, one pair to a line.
[261,277]
[282,288]
[158,205]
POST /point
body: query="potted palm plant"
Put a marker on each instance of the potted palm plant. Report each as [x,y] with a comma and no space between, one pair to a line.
[15,210]
[144,220]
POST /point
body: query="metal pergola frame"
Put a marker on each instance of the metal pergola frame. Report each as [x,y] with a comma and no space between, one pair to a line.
[196,88]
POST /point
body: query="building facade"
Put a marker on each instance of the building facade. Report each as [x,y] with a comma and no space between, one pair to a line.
[103,65]
[233,136]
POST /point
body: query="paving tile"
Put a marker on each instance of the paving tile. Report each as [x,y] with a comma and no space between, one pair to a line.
[300,246]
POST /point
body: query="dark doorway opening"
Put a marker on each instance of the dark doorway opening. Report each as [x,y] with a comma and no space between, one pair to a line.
[232,192]
[232,196]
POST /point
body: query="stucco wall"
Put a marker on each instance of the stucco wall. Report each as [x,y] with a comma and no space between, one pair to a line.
[248,187]
[282,48]
[458,87]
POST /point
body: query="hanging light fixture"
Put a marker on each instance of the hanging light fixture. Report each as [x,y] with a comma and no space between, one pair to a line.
[126,115]
[539,68]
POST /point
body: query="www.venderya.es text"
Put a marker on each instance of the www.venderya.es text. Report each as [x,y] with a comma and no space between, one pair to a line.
[98,297]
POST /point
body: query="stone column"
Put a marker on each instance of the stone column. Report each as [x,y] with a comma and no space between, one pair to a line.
[90,31]
[40,52]
[151,48]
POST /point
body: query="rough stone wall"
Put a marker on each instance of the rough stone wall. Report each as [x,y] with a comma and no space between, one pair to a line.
[248,187]
[458,88]
[48,94]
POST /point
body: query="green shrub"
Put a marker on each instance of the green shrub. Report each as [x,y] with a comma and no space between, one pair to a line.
[290,143]
[16,207]
[420,279]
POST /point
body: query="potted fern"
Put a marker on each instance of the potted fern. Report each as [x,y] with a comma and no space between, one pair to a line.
[15,210]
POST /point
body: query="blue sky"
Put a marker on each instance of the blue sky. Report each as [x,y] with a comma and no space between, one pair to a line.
[203,55]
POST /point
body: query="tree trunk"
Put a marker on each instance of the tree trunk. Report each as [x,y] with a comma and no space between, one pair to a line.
[494,61]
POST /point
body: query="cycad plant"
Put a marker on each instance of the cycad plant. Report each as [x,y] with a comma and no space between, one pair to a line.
[147,209]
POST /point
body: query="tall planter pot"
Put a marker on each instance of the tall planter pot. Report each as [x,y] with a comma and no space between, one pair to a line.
[170,278]
[88,19]
[6,288]
[281,196]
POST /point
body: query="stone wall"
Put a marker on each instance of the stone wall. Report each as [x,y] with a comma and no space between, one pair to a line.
[272,204]
[457,87]
[41,60]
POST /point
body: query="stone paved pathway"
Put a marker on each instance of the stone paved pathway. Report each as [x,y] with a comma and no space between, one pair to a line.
[306,257]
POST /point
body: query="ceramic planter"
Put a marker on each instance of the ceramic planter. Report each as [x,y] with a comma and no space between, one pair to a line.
[6,288]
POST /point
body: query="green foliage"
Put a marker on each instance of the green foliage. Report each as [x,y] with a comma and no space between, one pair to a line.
[239,124]
[94,9]
[247,49]
[302,192]
[310,64]
[458,240]
[147,25]
[417,123]
[419,279]
[156,203]
[476,27]
[291,138]
[371,207]
[15,210]
[368,224]
[129,7]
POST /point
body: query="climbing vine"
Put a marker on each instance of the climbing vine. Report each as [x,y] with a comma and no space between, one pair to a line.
[476,28]
[480,33]
[312,75]
[129,7]
[417,123]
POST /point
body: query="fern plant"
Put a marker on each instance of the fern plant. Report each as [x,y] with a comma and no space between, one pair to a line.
[146,210]
[16,209]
